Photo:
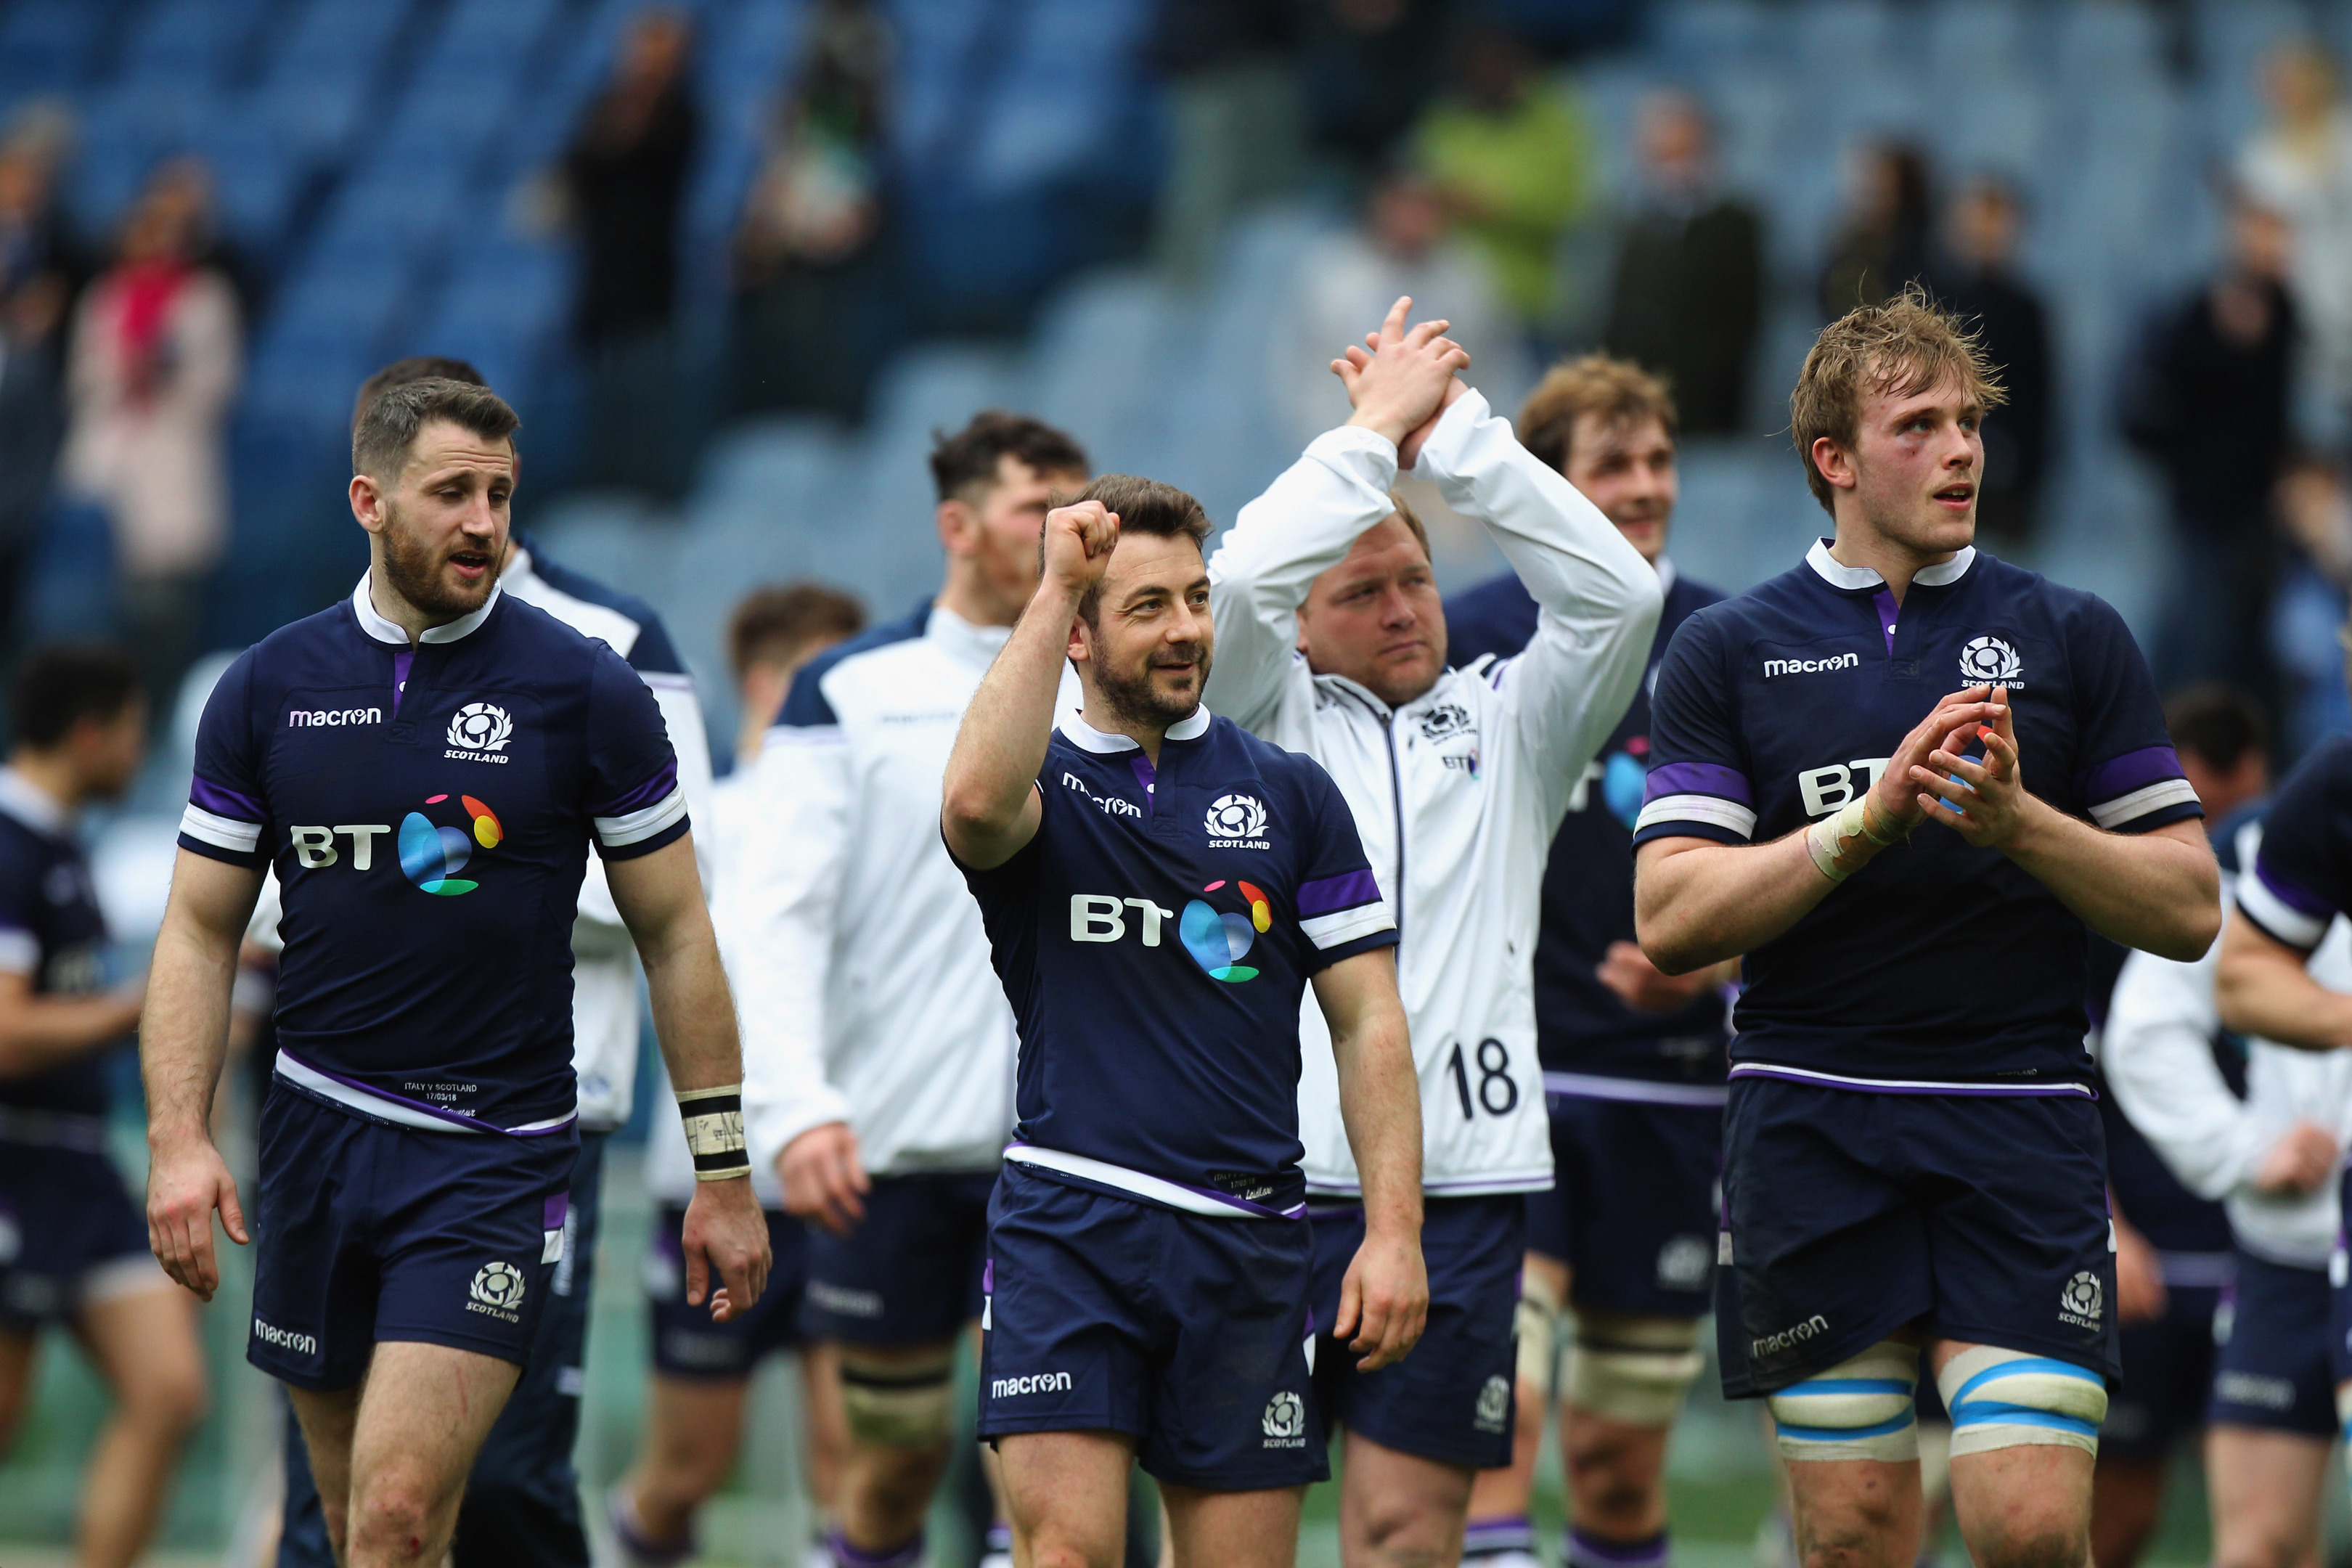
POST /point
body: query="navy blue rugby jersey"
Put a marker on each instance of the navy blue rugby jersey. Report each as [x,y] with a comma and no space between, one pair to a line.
[1155,940]
[1938,964]
[1583,1030]
[52,934]
[429,811]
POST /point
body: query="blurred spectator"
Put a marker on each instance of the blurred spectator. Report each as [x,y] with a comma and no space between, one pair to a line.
[1508,151]
[181,188]
[1689,282]
[773,631]
[2307,621]
[1369,67]
[153,367]
[1234,120]
[2300,166]
[1881,243]
[1977,277]
[2206,402]
[1348,280]
[811,268]
[36,281]
[625,176]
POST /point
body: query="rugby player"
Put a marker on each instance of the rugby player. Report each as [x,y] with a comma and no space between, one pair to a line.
[1912,1155]
[1160,887]
[701,1369]
[1633,1059]
[2265,1153]
[72,1249]
[419,1138]
[878,1045]
[1335,646]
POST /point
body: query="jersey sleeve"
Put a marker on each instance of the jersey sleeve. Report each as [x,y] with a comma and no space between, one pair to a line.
[20,945]
[1698,785]
[2131,779]
[1341,910]
[227,816]
[2298,882]
[634,797]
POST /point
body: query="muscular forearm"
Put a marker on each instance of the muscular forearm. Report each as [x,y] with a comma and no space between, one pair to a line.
[694,1015]
[183,1029]
[1002,743]
[1697,903]
[2157,891]
[37,1033]
[1379,1103]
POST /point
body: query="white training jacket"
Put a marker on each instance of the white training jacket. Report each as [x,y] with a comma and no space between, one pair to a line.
[861,970]
[1457,793]
[2158,1063]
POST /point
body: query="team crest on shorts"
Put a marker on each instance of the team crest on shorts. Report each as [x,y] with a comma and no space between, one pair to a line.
[2080,1301]
[1285,1421]
[1493,1405]
[497,1290]
[1990,661]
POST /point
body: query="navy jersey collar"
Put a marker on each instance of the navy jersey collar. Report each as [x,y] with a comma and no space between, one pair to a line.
[383,631]
[1086,738]
[1838,574]
[31,804]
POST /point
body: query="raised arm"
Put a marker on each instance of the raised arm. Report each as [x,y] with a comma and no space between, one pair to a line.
[183,1039]
[660,896]
[989,809]
[1384,1298]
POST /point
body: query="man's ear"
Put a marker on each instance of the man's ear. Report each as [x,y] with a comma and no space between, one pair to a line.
[1835,463]
[1078,648]
[367,502]
[956,521]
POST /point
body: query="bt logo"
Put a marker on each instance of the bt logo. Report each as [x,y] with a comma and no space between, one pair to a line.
[1217,940]
[1826,789]
[432,857]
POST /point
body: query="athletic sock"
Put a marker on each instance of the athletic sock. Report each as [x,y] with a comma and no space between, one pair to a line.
[621,1509]
[845,1556]
[998,1552]
[1584,1551]
[1508,1543]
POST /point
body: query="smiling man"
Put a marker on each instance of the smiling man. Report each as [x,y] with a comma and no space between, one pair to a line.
[1913,1162]
[424,767]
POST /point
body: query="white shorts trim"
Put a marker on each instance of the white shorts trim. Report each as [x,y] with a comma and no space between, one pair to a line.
[1175,1194]
[133,1274]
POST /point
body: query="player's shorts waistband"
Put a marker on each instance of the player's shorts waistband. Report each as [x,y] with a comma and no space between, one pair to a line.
[1206,1201]
[2197,1270]
[2057,1089]
[399,1110]
[53,1129]
[1634,1090]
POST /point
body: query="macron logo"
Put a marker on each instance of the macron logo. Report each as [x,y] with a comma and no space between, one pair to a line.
[285,1339]
[315,718]
[1035,1383]
[1773,667]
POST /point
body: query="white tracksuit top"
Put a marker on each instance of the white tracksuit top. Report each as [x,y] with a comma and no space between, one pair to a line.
[860,968]
[1456,795]
[2157,1061]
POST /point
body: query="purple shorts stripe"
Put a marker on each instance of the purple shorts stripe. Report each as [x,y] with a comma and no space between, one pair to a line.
[209,797]
[551,1213]
[1346,891]
[1698,778]
[2287,893]
[2133,769]
[653,791]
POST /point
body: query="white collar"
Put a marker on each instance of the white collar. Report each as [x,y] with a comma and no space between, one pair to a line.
[31,804]
[1666,573]
[1838,574]
[385,631]
[965,639]
[1085,737]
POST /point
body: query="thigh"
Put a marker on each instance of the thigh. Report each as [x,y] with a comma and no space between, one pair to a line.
[422,1415]
[909,1273]
[1234,1529]
[1069,1490]
[2269,1489]
[2272,1371]
[144,1343]
[2009,1501]
[1643,1208]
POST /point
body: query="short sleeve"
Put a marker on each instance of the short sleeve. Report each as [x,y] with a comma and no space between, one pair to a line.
[1341,910]
[633,794]
[20,945]
[1698,785]
[2131,779]
[227,816]
[2298,883]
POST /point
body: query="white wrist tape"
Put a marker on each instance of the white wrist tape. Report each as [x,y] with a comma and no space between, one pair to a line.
[1830,841]
[714,1132]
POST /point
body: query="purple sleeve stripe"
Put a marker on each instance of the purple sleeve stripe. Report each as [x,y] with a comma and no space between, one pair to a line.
[1342,892]
[221,801]
[1698,778]
[2293,896]
[2133,769]
[654,791]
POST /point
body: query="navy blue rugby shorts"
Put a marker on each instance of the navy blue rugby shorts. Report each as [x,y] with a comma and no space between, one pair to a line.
[1849,1214]
[1633,1209]
[366,1232]
[2272,1367]
[2168,1375]
[1451,1399]
[909,1273]
[71,1235]
[686,1341]
[1189,1334]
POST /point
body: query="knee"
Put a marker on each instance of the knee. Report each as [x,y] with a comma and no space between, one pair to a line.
[898,1482]
[392,1520]
[169,1403]
[2033,1544]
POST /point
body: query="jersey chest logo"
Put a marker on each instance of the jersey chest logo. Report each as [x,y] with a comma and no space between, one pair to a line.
[479,733]
[1990,661]
[1237,822]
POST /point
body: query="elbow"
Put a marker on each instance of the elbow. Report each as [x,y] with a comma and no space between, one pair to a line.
[2233,988]
[2196,936]
[1673,951]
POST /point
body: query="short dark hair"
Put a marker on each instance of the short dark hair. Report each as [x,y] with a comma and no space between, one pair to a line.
[415,367]
[777,619]
[1142,507]
[388,424]
[62,684]
[2218,723]
[967,460]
